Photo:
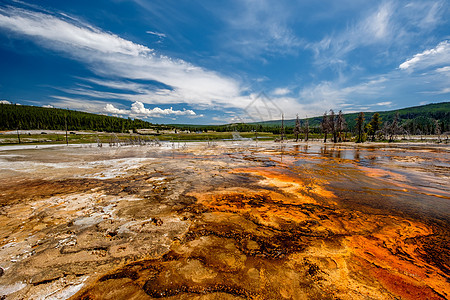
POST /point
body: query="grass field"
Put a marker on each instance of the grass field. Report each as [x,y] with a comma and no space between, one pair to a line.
[11,138]
[33,138]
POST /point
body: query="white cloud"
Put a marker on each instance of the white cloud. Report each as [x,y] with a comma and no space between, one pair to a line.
[138,109]
[4,102]
[281,91]
[109,108]
[387,28]
[337,95]
[82,104]
[258,28]
[441,91]
[107,54]
[48,106]
[376,27]
[387,103]
[444,91]
[378,23]
[425,15]
[432,57]
[443,69]
[67,35]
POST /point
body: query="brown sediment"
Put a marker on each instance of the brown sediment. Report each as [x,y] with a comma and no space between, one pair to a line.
[269,245]
[220,228]
[41,189]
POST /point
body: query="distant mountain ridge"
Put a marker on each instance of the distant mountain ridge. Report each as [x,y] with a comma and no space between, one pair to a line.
[436,111]
[25,117]
[417,118]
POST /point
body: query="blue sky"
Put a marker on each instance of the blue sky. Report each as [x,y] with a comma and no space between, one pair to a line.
[215,62]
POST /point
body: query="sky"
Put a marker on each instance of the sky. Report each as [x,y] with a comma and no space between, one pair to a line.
[217,62]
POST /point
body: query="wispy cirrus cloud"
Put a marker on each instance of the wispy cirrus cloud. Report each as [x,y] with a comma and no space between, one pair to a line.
[111,56]
[425,15]
[379,90]
[373,28]
[79,103]
[61,34]
[337,95]
[158,34]
[256,29]
[389,27]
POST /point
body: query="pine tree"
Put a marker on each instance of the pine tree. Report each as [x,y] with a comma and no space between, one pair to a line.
[374,125]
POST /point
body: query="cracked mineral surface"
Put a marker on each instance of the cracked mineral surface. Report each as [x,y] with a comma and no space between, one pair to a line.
[229,220]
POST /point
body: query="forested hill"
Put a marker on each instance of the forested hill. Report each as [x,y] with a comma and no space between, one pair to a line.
[413,119]
[32,117]
[416,115]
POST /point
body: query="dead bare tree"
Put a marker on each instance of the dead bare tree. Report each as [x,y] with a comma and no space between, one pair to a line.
[65,121]
[99,143]
[393,128]
[340,125]
[297,128]
[18,133]
[332,122]
[437,130]
[325,125]
[306,129]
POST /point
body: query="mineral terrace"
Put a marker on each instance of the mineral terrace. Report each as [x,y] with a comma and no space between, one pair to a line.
[229,220]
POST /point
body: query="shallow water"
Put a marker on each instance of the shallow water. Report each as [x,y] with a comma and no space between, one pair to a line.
[226,220]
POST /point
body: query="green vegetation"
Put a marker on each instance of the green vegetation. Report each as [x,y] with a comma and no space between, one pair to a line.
[26,117]
[420,120]
[374,126]
[106,138]
[413,119]
[360,127]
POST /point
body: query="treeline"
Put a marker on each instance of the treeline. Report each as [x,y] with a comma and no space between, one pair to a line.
[420,120]
[376,129]
[341,127]
[239,127]
[415,120]
[338,127]
[26,117]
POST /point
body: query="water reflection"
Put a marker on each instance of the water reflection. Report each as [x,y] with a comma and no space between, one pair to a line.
[305,148]
[357,155]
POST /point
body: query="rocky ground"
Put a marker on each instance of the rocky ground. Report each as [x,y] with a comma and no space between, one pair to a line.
[225,220]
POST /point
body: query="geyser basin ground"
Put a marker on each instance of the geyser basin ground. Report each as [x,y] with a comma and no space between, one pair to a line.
[228,220]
